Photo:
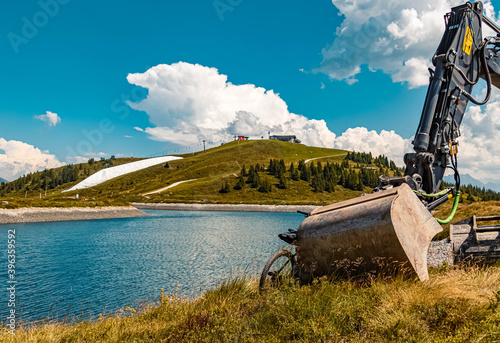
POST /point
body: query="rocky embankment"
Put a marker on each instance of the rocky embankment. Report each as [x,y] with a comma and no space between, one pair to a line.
[52,214]
[225,207]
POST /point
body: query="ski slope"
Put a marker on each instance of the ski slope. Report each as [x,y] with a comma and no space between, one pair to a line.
[113,172]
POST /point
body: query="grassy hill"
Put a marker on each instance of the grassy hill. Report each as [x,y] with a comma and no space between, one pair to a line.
[210,168]
[45,188]
[215,167]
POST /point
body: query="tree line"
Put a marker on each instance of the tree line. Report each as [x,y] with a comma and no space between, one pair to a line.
[321,177]
[52,178]
[380,161]
[474,192]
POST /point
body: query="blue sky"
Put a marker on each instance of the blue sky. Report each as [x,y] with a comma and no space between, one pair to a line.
[78,54]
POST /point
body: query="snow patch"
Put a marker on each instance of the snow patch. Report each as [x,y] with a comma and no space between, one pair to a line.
[110,173]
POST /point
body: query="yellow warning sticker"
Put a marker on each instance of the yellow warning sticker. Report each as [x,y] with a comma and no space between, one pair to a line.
[468,40]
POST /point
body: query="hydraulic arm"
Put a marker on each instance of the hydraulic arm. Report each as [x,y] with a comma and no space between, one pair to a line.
[460,60]
[394,225]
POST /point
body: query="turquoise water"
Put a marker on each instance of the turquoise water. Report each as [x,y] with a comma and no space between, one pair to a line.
[82,268]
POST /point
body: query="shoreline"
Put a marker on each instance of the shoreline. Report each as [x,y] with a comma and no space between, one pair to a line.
[56,214]
[225,207]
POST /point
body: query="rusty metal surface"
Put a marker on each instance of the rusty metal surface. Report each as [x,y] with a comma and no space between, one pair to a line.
[388,228]
[469,240]
[355,201]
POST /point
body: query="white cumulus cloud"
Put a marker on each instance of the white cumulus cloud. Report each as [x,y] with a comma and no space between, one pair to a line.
[479,151]
[387,143]
[397,37]
[19,158]
[76,159]
[187,103]
[50,118]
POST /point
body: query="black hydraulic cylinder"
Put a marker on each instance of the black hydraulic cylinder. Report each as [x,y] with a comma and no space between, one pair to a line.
[422,139]
[439,201]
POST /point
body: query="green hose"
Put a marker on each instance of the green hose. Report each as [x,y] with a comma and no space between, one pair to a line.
[443,192]
[453,210]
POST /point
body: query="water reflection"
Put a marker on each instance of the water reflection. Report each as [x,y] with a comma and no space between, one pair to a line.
[99,266]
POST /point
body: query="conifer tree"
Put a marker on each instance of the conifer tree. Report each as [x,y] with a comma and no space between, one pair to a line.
[240,183]
[251,174]
[265,186]
[255,179]
[282,184]
[225,188]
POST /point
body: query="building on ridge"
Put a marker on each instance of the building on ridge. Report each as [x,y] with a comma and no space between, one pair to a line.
[289,138]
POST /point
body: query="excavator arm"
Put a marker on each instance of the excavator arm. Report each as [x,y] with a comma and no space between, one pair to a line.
[394,224]
[460,60]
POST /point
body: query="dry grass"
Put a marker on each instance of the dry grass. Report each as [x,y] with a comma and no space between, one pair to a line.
[455,305]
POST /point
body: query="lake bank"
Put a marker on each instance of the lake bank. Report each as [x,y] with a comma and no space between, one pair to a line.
[53,214]
[225,207]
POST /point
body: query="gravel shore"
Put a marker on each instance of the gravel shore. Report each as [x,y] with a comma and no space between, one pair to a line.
[440,252]
[225,207]
[52,214]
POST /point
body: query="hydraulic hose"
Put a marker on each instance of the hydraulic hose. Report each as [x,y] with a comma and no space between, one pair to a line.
[488,79]
[453,210]
[441,193]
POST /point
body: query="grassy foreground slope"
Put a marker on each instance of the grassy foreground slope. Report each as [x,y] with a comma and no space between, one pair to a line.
[455,305]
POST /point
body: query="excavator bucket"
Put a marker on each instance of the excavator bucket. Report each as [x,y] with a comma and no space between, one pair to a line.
[387,231]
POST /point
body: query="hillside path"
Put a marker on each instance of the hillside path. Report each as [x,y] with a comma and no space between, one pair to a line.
[317,158]
[171,186]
